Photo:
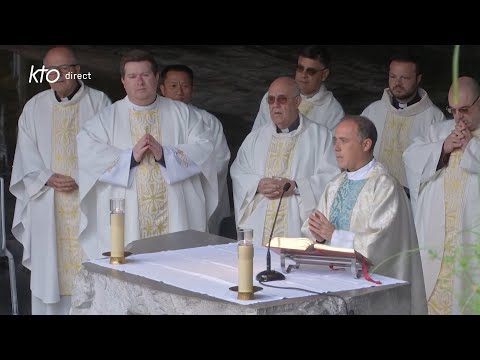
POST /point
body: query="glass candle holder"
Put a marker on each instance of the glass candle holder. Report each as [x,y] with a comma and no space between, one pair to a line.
[245,264]
[117,231]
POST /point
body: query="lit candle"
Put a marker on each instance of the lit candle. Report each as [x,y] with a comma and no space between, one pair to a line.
[245,267]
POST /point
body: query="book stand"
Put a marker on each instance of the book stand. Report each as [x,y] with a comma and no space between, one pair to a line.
[313,258]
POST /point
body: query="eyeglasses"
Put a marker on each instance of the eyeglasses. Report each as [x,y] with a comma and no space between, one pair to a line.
[64,68]
[282,99]
[308,71]
[463,110]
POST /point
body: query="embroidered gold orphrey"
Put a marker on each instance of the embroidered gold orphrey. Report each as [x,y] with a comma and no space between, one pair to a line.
[440,302]
[305,107]
[394,143]
[279,160]
[65,126]
[151,189]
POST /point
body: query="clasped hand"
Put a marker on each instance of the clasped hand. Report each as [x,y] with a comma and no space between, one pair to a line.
[62,183]
[458,138]
[272,187]
[147,143]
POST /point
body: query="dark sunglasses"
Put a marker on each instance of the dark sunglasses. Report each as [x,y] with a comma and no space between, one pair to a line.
[308,71]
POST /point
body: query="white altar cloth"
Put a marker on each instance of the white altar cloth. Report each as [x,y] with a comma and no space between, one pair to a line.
[212,270]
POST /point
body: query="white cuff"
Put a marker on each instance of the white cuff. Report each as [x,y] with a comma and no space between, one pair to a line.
[179,166]
[119,173]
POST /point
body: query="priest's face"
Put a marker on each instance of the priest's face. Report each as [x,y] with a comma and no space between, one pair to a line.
[349,148]
[62,60]
[140,82]
[403,80]
[309,75]
[177,86]
[467,108]
[283,100]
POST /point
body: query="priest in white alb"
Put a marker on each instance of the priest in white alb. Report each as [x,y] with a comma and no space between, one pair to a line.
[176,83]
[150,151]
[45,182]
[365,209]
[291,148]
[443,170]
[317,103]
[404,112]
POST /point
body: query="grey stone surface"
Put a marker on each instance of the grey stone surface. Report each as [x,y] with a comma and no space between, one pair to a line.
[97,293]
[104,291]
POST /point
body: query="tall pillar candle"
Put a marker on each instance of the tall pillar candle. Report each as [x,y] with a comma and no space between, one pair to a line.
[245,267]
[245,264]
[117,229]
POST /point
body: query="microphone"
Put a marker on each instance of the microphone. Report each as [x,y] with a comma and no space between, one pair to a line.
[272,275]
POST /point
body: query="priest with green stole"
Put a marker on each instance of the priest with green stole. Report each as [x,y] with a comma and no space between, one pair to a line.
[365,208]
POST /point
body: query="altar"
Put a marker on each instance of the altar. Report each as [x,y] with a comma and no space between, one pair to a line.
[191,272]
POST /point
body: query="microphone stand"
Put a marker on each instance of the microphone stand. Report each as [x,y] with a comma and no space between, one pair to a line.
[272,275]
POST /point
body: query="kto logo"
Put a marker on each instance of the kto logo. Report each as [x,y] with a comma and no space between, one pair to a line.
[53,74]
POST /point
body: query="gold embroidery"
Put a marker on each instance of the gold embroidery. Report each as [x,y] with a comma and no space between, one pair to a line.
[65,126]
[181,158]
[151,189]
[305,107]
[394,143]
[279,160]
[112,166]
[440,302]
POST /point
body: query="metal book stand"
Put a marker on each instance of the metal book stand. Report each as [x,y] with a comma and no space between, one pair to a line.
[311,258]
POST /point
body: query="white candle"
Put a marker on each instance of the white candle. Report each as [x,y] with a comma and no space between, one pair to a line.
[245,268]
[117,222]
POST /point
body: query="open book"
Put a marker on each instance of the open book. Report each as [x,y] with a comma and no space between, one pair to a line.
[336,255]
[310,246]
